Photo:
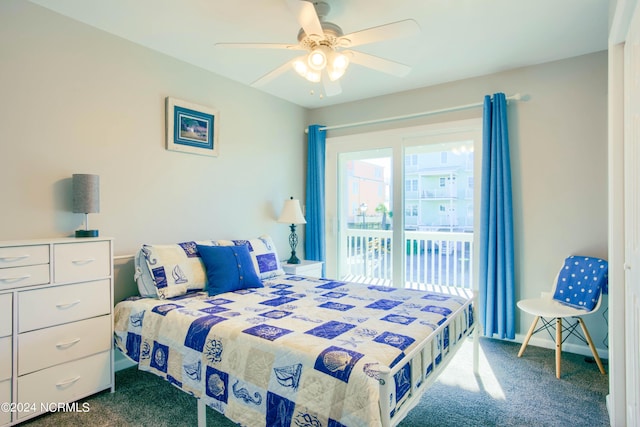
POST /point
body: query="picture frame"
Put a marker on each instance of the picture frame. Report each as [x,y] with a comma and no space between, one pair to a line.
[192,128]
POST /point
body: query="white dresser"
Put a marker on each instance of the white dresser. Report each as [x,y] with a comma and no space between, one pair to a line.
[56,324]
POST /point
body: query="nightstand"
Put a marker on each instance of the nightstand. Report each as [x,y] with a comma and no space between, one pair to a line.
[305,268]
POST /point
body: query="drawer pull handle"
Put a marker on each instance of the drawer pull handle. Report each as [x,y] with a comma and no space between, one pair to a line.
[15,279]
[65,345]
[83,261]
[68,305]
[14,258]
[68,382]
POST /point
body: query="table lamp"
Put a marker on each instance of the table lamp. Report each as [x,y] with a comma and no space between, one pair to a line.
[86,200]
[292,214]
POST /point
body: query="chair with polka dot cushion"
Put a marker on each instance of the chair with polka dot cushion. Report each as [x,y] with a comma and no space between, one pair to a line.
[577,292]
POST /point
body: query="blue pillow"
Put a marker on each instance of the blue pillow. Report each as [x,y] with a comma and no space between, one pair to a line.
[229,268]
[580,282]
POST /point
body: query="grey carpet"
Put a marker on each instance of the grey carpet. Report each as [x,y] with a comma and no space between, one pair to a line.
[509,391]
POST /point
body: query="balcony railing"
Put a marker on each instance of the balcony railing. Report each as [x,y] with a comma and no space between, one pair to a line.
[439,193]
[433,258]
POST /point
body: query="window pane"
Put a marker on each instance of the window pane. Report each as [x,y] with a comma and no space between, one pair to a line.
[365,215]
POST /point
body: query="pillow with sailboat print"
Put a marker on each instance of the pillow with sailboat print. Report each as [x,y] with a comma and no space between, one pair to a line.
[176,268]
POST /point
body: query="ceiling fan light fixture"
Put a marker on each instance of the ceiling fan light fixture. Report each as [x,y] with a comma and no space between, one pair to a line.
[337,65]
[313,76]
[317,58]
[301,67]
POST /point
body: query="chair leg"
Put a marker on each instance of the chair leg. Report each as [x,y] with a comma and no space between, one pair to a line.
[528,337]
[558,345]
[592,346]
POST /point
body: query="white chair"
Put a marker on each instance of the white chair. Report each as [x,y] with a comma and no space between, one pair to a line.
[577,292]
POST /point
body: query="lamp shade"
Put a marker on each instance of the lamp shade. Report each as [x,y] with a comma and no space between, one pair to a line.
[86,193]
[291,213]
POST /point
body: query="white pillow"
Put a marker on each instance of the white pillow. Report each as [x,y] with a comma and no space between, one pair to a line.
[173,269]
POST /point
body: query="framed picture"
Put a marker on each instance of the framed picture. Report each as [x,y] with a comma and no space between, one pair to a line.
[191,128]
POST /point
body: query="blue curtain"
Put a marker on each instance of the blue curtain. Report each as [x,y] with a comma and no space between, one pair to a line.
[314,241]
[496,298]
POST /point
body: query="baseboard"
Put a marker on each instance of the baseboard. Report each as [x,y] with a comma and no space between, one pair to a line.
[582,349]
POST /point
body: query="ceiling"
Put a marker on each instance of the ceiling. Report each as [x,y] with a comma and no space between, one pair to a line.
[458,39]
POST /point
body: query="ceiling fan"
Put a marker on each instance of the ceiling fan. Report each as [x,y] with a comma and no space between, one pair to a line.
[328,52]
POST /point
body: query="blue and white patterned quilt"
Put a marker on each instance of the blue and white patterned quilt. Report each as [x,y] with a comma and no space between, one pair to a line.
[297,352]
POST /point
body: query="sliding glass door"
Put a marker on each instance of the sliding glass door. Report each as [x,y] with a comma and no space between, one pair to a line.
[401,206]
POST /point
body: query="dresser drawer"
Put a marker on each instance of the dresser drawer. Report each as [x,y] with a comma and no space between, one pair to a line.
[58,344]
[56,305]
[5,397]
[17,256]
[6,314]
[5,359]
[16,277]
[67,382]
[73,262]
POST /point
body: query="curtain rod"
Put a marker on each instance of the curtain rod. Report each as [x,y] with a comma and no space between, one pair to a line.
[515,97]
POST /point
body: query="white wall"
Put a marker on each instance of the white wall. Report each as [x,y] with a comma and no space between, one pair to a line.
[558,143]
[74,99]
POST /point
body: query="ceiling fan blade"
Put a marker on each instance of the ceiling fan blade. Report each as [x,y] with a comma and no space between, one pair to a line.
[305,13]
[261,46]
[273,74]
[395,30]
[331,88]
[379,64]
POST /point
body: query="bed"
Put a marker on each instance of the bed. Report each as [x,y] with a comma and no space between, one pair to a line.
[285,350]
